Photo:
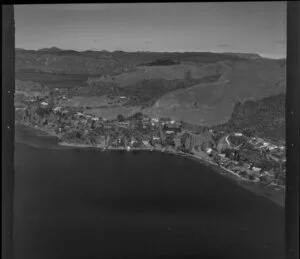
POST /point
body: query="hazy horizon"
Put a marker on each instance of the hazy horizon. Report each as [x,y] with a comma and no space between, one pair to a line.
[245,27]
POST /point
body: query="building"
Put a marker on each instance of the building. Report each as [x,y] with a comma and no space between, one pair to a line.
[145,142]
[256,169]
[133,141]
[79,114]
[57,109]
[44,103]
[208,151]
[123,124]
[170,132]
[238,134]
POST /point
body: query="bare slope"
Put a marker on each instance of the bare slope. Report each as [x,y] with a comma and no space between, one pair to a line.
[213,103]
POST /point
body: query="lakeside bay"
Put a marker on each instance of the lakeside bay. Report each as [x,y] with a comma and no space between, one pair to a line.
[90,204]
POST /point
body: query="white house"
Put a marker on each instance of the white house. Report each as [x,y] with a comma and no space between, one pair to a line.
[95,119]
[44,103]
[56,109]
[169,132]
[154,120]
[256,169]
[145,142]
[272,147]
[282,147]
[238,134]
[208,151]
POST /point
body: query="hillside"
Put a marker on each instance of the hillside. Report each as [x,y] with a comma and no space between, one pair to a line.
[212,103]
[265,117]
[198,88]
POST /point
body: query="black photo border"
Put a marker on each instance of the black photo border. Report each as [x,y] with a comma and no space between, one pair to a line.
[292,126]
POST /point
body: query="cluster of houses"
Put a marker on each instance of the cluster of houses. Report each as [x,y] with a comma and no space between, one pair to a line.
[162,128]
[247,169]
[274,152]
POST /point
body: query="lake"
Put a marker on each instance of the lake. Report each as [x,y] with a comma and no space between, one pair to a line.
[83,203]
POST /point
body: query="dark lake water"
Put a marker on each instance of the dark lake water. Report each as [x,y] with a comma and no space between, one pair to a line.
[82,203]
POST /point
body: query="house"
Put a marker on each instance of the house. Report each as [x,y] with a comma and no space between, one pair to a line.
[145,142]
[95,119]
[246,165]
[155,120]
[79,114]
[124,124]
[64,112]
[155,138]
[106,126]
[238,134]
[146,120]
[221,155]
[57,109]
[170,132]
[256,169]
[133,140]
[208,151]
[272,147]
[44,103]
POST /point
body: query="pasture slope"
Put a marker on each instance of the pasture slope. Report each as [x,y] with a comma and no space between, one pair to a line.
[233,77]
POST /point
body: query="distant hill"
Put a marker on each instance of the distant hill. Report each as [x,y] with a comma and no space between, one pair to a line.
[264,117]
[56,60]
[244,55]
[50,50]
[164,62]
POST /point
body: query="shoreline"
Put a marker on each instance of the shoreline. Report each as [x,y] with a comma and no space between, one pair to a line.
[255,187]
[265,190]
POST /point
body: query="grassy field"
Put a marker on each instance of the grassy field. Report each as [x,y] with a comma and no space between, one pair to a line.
[52,80]
[112,113]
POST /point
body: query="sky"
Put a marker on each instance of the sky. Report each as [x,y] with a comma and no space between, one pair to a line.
[246,27]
